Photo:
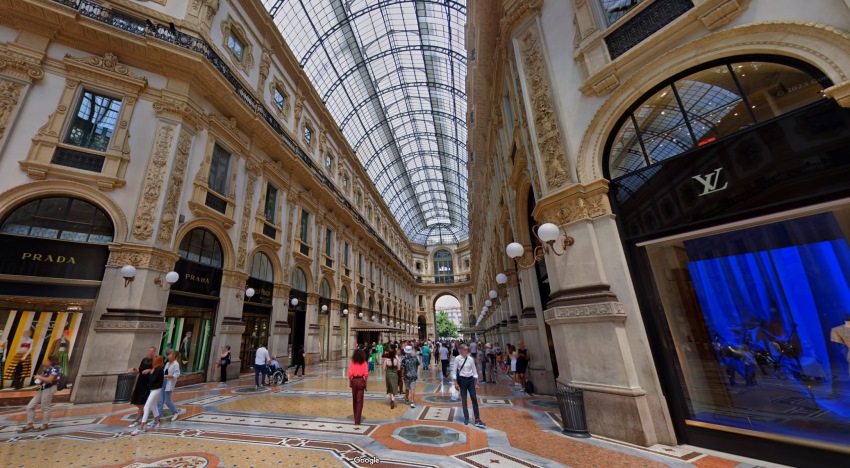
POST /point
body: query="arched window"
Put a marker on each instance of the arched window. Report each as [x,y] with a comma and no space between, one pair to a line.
[62,218]
[299,280]
[261,267]
[201,246]
[472,320]
[702,105]
[359,300]
[443,267]
[343,295]
[371,304]
[325,289]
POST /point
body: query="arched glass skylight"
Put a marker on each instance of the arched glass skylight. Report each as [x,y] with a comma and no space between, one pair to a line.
[392,73]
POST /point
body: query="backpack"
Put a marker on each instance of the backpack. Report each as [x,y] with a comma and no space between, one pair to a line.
[410,364]
[529,387]
[61,381]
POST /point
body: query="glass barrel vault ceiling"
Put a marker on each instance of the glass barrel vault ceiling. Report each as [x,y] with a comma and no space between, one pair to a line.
[392,74]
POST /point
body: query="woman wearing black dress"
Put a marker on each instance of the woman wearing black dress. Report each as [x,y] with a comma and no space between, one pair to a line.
[143,388]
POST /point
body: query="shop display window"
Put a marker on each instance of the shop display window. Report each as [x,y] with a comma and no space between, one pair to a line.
[760,320]
[28,338]
[188,331]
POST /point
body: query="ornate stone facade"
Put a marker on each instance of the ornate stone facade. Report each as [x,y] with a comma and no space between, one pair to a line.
[146,213]
[175,186]
[574,203]
[10,93]
[141,256]
[586,313]
[550,144]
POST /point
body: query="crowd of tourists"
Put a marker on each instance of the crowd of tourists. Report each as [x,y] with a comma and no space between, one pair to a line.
[458,361]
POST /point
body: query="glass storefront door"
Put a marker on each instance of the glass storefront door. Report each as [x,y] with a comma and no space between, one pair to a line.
[760,319]
[188,331]
[255,335]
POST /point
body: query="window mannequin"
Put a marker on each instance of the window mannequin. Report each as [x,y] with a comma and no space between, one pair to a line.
[22,356]
[841,335]
[185,347]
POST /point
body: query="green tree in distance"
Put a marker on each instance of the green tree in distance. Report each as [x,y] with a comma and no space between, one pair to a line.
[445,327]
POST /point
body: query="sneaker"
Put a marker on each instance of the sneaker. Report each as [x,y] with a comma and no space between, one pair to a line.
[136,432]
[480,424]
[465,421]
[412,405]
[134,424]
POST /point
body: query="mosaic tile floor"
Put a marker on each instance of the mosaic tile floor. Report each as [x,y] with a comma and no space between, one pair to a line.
[308,422]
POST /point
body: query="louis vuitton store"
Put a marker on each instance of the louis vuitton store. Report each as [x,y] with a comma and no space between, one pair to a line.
[54,255]
[730,186]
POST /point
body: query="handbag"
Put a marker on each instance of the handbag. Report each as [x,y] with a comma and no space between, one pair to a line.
[455,394]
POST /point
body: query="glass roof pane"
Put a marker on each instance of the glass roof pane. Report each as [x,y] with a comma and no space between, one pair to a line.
[393,76]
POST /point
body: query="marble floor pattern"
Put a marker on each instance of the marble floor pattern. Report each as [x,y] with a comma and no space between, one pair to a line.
[308,423]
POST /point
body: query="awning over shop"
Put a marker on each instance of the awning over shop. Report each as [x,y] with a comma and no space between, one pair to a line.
[363,325]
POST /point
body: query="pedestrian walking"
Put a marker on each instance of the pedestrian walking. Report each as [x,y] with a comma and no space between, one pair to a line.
[358,377]
[224,361]
[444,360]
[522,360]
[465,378]
[426,356]
[490,363]
[171,373]
[300,359]
[410,367]
[261,362]
[142,389]
[391,366]
[46,388]
[156,375]
[399,355]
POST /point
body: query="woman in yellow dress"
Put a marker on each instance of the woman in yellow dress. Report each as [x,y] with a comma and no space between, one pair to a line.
[23,355]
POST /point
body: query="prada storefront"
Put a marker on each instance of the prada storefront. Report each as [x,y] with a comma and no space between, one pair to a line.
[730,183]
[54,255]
[193,301]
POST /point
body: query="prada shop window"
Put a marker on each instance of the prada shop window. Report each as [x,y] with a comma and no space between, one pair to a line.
[62,218]
[760,319]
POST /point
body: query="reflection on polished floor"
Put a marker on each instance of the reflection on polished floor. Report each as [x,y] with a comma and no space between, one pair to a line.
[308,422]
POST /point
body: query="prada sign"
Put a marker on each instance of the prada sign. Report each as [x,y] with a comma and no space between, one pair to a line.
[197,278]
[33,256]
[796,160]
[262,291]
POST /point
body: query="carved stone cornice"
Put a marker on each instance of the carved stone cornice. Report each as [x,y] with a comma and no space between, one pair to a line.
[234,279]
[129,326]
[21,64]
[141,256]
[107,68]
[574,203]
[602,312]
[172,108]
[839,92]
[515,11]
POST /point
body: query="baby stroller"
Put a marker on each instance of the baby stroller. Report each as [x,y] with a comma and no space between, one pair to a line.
[278,376]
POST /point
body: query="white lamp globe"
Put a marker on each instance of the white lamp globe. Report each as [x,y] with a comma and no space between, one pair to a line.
[486,309]
[493,294]
[360,315]
[128,271]
[488,303]
[515,250]
[548,232]
[344,311]
[171,277]
[324,308]
[502,278]
[294,302]
[249,293]
[373,317]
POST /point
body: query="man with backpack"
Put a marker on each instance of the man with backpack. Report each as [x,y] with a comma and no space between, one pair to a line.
[410,367]
[48,383]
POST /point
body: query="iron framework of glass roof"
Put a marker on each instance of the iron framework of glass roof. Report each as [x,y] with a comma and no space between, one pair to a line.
[392,73]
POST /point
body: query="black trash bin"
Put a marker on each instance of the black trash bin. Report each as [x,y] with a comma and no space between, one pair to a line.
[571,403]
[124,389]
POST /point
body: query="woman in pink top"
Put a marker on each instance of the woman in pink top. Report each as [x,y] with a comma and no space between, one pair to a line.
[358,374]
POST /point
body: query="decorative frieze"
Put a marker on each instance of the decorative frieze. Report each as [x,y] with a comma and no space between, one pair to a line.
[10,94]
[146,213]
[605,311]
[550,143]
[233,279]
[246,221]
[129,326]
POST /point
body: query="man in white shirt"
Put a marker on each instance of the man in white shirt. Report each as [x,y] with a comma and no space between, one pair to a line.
[261,359]
[465,376]
[444,360]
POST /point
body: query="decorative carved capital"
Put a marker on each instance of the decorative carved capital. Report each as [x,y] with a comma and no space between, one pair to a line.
[233,279]
[141,256]
[839,92]
[576,202]
[282,290]
[723,14]
[172,109]
[15,63]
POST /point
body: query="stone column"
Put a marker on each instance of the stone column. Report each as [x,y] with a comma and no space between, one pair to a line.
[596,323]
[311,341]
[279,333]
[228,323]
[335,351]
[129,320]
[530,326]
